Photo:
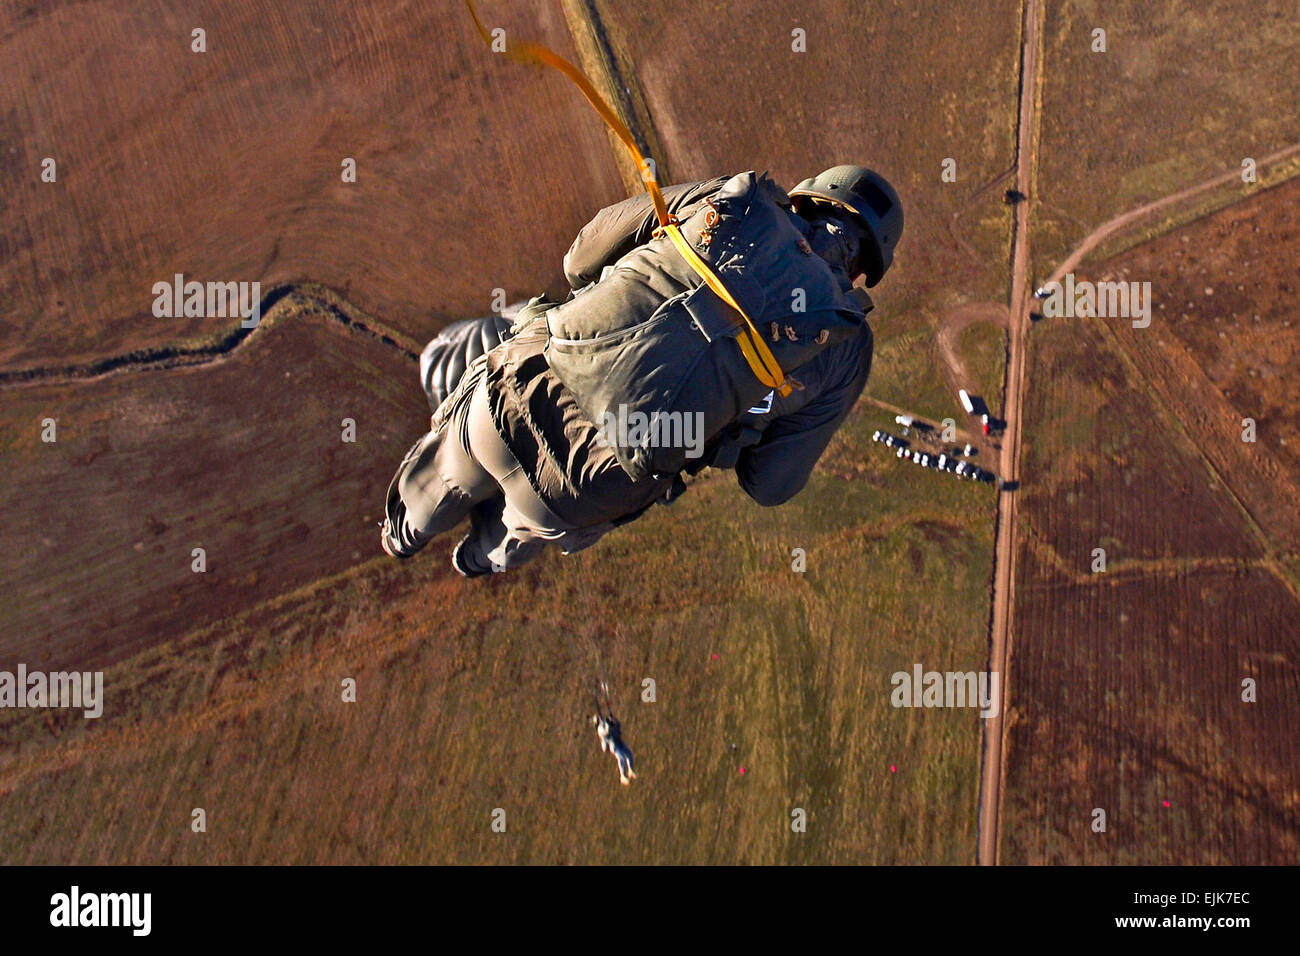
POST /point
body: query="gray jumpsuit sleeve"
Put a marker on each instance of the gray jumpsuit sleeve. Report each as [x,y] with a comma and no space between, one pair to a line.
[776,468]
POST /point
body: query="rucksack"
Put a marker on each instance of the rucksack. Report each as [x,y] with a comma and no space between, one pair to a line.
[650,352]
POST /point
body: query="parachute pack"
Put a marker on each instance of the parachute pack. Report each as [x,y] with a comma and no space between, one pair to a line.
[652,342]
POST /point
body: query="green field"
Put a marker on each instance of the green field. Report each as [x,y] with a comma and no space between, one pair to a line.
[471,696]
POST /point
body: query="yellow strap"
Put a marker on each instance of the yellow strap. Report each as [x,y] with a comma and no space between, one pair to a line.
[751,342]
[752,346]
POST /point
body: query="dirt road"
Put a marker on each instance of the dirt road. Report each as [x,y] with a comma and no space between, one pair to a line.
[1104,231]
[954,322]
[1018,325]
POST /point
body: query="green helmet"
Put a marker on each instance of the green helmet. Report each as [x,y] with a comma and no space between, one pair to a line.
[872,201]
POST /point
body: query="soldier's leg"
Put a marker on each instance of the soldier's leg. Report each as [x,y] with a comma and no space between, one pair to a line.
[436,486]
[511,531]
[496,541]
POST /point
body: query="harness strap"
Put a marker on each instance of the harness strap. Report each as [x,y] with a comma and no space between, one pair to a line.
[757,354]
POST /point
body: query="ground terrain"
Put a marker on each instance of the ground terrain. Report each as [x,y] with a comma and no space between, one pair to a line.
[1129,682]
[772,687]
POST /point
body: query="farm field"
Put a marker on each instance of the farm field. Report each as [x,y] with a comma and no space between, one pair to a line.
[227,165]
[1182,92]
[1128,683]
[470,699]
[149,465]
[1225,350]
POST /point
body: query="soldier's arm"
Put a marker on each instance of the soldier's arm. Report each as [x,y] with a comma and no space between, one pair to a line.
[776,468]
[618,229]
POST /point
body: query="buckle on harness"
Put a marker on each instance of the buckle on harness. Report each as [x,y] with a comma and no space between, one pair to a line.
[658,231]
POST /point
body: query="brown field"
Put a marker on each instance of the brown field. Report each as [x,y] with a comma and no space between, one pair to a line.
[1128,694]
[226,165]
[1228,334]
[1127,685]
[1109,469]
[242,457]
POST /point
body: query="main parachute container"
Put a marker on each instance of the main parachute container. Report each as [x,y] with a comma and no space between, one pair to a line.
[653,338]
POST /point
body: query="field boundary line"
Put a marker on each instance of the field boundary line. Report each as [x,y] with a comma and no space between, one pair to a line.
[162,357]
[1125,570]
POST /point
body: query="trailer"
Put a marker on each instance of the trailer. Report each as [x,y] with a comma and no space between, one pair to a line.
[966,403]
